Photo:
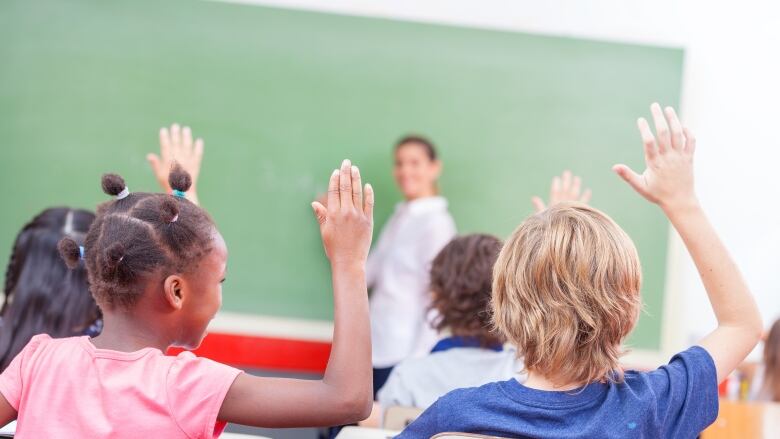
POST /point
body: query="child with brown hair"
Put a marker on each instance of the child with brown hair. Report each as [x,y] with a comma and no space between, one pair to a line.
[566,293]
[766,379]
[468,353]
[156,263]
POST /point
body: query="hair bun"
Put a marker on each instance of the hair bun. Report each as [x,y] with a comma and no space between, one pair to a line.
[112,257]
[112,184]
[69,252]
[169,210]
[179,179]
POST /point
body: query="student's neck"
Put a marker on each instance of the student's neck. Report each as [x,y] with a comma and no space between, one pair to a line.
[540,382]
[122,332]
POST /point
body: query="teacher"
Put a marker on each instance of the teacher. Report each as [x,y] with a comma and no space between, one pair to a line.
[397,267]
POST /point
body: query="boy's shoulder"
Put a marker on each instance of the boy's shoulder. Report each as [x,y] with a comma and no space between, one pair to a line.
[492,393]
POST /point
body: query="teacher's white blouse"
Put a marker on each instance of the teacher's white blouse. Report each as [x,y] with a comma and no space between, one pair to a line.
[398,274]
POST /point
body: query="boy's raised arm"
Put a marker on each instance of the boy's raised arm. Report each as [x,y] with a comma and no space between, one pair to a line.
[668,182]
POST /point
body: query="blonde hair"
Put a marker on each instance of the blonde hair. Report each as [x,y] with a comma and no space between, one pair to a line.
[566,293]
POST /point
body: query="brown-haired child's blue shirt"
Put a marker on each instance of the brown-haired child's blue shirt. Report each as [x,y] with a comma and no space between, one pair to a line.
[677,400]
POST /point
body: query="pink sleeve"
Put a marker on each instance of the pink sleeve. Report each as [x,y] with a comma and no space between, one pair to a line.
[196,388]
[13,377]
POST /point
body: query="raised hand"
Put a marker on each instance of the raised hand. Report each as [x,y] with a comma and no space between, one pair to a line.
[567,187]
[177,146]
[346,223]
[668,178]
[344,394]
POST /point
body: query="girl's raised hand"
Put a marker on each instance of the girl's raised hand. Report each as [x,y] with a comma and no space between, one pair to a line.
[567,187]
[177,146]
[668,178]
[346,224]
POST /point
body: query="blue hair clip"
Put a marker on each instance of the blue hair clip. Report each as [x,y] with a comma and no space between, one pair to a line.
[178,193]
[81,251]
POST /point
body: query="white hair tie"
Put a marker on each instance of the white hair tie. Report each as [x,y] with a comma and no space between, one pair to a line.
[125,192]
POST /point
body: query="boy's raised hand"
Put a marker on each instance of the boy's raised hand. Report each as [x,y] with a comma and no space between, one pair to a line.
[668,178]
[346,224]
[177,146]
[567,187]
[668,182]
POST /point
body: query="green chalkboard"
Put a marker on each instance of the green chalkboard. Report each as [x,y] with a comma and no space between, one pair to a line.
[282,96]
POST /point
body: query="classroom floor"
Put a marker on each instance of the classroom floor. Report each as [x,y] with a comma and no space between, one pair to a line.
[277,433]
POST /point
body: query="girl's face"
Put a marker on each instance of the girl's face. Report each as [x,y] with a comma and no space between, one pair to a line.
[205,293]
[414,171]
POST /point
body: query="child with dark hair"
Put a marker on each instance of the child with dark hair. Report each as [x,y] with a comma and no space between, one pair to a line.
[40,295]
[469,353]
[156,263]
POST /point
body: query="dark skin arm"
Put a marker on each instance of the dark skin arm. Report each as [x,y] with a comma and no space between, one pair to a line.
[344,394]
[7,413]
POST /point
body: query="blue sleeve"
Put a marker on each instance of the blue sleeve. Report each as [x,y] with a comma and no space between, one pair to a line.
[687,393]
[426,425]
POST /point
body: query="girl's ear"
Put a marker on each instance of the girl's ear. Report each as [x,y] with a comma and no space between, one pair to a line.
[173,291]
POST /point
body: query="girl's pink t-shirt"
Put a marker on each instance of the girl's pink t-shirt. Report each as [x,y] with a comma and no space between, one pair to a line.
[69,388]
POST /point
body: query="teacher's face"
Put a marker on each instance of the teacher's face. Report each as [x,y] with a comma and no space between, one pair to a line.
[415,172]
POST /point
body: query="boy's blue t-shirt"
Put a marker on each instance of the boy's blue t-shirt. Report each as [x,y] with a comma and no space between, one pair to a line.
[677,400]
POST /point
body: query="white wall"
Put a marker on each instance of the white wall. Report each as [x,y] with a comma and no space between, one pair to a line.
[731,99]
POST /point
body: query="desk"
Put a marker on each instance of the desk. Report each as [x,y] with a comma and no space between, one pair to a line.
[745,420]
[353,432]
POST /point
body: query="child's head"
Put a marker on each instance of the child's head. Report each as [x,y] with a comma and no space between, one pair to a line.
[566,292]
[772,362]
[461,276]
[41,294]
[157,257]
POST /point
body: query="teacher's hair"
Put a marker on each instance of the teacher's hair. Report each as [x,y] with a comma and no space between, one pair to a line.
[421,141]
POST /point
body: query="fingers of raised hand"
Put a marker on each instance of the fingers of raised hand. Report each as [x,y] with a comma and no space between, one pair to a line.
[555,190]
[566,181]
[576,187]
[586,196]
[690,141]
[154,162]
[648,140]
[538,204]
[334,203]
[320,212]
[678,141]
[198,152]
[357,188]
[175,140]
[345,185]
[661,128]
[368,202]
[165,144]
[634,180]
[186,141]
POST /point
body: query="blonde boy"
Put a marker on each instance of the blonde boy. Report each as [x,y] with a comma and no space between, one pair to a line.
[566,292]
